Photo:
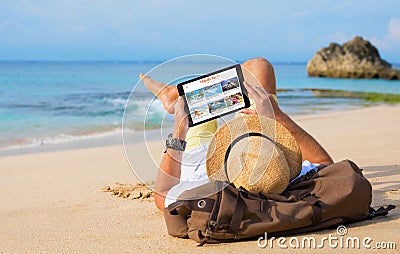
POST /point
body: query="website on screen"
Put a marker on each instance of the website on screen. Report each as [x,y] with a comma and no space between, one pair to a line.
[214,95]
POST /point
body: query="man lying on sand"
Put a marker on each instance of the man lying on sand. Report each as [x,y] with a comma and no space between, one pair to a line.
[189,166]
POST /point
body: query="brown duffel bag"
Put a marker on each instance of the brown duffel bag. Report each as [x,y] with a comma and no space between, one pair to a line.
[322,198]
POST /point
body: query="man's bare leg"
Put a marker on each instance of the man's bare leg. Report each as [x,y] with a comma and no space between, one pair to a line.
[258,71]
[165,93]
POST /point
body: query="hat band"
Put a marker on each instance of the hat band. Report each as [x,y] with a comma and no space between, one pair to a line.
[234,142]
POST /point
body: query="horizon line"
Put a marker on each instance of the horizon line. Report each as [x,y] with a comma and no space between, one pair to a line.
[121,61]
[141,61]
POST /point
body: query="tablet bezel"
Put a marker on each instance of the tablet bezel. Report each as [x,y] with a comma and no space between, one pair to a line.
[244,93]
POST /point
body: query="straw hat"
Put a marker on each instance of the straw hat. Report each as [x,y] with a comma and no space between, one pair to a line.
[260,154]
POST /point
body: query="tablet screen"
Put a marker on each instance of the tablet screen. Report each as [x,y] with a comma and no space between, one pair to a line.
[214,95]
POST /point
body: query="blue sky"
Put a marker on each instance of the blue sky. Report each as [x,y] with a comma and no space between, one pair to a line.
[160,29]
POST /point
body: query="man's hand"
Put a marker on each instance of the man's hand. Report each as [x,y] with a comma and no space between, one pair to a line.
[181,120]
[265,102]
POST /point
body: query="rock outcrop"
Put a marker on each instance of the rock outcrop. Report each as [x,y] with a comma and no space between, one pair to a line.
[357,58]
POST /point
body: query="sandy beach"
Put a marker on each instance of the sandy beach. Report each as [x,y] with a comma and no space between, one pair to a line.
[52,201]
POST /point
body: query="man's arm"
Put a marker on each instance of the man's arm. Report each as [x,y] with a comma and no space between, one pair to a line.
[310,148]
[170,167]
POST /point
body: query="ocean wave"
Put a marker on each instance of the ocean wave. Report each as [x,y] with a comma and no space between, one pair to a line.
[146,114]
[38,105]
[115,101]
[75,103]
[61,138]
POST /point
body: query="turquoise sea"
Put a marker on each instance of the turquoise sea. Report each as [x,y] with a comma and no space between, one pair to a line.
[56,102]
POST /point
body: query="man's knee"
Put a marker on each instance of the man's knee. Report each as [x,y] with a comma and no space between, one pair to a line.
[262,70]
[258,61]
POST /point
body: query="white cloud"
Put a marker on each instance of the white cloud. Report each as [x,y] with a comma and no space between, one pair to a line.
[394,29]
[391,40]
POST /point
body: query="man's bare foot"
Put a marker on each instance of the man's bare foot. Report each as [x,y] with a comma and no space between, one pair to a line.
[165,93]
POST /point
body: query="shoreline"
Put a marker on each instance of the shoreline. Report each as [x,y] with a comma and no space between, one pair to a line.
[297,102]
[114,137]
[97,141]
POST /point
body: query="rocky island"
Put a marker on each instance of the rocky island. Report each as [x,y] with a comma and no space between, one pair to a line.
[357,58]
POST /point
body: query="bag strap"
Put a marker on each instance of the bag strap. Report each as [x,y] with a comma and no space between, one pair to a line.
[381,211]
[306,176]
[244,199]
[316,208]
[237,214]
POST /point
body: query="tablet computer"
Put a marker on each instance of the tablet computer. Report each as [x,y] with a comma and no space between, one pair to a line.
[214,95]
